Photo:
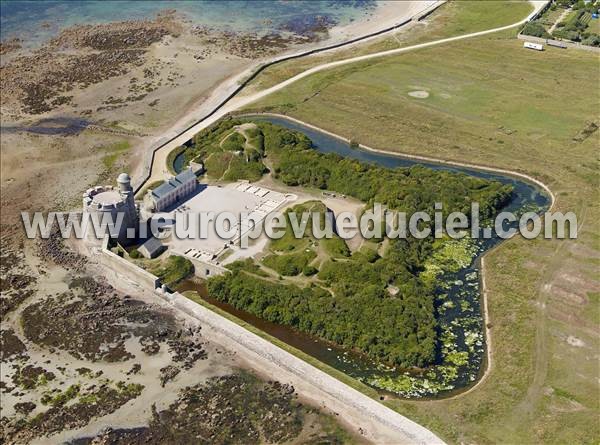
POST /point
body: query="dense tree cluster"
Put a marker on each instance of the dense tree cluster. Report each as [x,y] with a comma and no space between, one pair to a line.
[389,329]
[405,189]
[349,301]
[535,29]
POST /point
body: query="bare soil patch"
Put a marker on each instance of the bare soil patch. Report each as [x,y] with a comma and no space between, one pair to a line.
[419,94]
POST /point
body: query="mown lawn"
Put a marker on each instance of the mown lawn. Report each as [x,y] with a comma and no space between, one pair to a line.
[493,103]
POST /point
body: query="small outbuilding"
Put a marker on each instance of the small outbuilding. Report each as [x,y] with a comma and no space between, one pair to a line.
[151,248]
[535,46]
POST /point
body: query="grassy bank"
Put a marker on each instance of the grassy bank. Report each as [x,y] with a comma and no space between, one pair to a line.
[451,19]
[171,158]
[491,102]
[114,158]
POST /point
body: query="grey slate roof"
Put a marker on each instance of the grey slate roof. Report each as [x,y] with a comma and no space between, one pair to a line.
[166,187]
[151,247]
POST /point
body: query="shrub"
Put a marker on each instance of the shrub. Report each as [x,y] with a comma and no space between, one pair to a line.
[135,254]
[568,35]
[239,168]
[234,142]
[336,247]
[535,29]
[290,264]
[247,265]
[309,271]
[174,270]
[592,40]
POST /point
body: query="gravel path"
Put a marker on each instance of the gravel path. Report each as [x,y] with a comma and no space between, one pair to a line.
[178,135]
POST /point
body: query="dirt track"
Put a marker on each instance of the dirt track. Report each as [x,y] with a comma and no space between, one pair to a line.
[178,134]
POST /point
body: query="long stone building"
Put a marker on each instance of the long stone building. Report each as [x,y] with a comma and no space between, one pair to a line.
[171,191]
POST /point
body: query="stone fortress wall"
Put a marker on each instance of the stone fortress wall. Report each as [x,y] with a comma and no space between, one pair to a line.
[105,204]
[299,373]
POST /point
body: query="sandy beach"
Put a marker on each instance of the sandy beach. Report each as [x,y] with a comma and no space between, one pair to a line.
[153,70]
[387,14]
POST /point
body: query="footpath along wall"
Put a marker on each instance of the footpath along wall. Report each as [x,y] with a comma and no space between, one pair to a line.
[408,432]
[140,180]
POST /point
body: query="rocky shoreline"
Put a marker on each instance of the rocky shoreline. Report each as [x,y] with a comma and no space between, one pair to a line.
[48,78]
[39,81]
[128,34]
[9,46]
[79,354]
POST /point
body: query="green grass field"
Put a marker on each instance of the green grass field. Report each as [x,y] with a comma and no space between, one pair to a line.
[451,19]
[493,103]
[594,26]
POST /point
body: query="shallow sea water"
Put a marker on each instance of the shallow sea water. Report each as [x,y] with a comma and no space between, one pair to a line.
[35,22]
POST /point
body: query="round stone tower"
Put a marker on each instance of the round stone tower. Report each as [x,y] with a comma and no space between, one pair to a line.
[110,207]
[124,182]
